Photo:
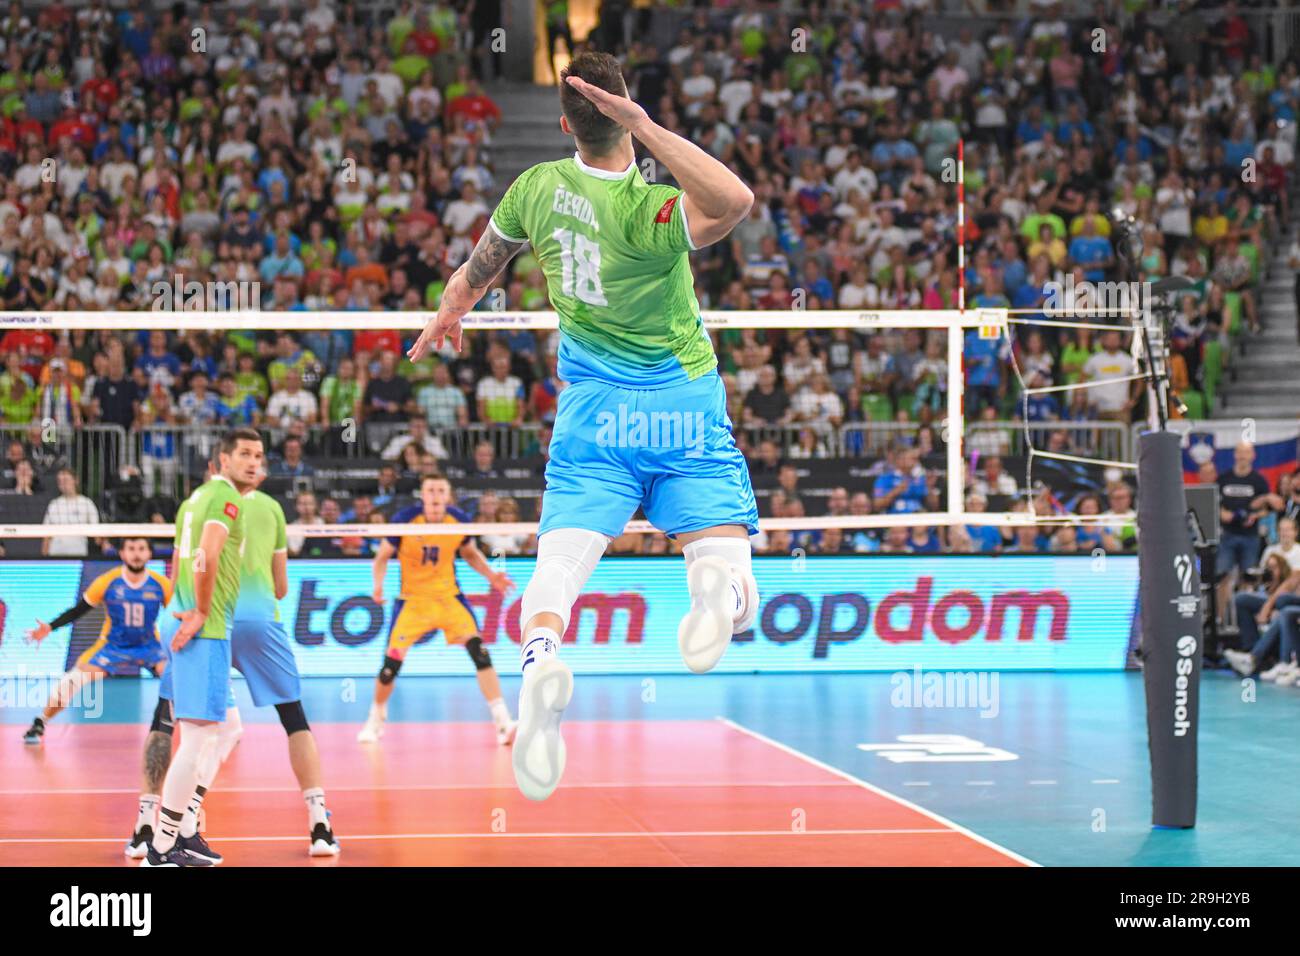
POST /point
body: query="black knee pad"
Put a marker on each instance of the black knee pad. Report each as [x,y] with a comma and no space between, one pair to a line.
[388,673]
[478,654]
[292,716]
[162,718]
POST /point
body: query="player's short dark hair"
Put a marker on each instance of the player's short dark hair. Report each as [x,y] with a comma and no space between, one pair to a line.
[134,537]
[593,129]
[233,437]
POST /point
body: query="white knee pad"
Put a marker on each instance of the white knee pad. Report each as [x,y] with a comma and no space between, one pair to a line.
[565,559]
[195,754]
[737,553]
[228,733]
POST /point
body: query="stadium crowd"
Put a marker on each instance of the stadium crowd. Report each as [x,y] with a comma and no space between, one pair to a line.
[323,159]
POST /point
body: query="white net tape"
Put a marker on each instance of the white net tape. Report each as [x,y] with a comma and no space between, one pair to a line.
[989,321]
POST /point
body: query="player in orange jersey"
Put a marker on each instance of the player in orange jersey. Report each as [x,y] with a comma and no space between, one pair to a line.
[431,599]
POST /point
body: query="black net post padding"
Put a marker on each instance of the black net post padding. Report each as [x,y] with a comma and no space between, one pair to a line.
[1172,629]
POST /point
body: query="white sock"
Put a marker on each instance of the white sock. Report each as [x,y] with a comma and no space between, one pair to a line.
[500,712]
[208,767]
[190,822]
[737,553]
[542,642]
[315,798]
[378,712]
[148,815]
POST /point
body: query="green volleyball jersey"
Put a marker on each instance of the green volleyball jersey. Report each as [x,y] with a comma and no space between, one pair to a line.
[264,536]
[216,500]
[615,253]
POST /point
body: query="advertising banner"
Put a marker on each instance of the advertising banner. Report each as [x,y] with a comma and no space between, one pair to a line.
[819,613]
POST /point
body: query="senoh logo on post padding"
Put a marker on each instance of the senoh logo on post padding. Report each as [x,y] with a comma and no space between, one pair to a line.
[1182,668]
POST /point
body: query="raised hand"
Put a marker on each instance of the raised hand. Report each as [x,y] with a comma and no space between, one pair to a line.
[623,111]
[435,333]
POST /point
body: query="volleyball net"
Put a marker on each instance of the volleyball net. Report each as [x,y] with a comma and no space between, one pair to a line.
[1051,474]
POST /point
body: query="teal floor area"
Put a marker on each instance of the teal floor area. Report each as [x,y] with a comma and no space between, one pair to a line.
[1076,793]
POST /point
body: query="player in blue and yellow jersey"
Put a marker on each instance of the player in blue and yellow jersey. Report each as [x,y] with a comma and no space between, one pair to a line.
[431,600]
[615,250]
[132,597]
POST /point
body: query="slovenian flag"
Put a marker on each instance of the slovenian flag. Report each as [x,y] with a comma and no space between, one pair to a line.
[1275,447]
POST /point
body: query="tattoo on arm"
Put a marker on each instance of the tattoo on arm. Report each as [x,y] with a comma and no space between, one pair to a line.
[489,258]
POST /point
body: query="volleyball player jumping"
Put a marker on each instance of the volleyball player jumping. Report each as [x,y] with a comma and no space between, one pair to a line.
[633,348]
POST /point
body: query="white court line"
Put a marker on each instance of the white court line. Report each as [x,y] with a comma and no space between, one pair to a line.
[980,783]
[1105,781]
[598,834]
[913,783]
[879,792]
[419,787]
[1041,783]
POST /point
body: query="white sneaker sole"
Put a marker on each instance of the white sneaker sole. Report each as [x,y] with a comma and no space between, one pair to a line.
[137,852]
[705,632]
[370,734]
[539,755]
[507,737]
[321,848]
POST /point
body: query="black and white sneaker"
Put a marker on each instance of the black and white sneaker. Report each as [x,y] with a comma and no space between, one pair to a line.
[35,732]
[173,857]
[138,846]
[197,846]
[323,842]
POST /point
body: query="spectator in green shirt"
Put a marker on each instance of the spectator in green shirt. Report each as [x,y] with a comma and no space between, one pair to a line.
[17,399]
[249,381]
[340,394]
[293,356]
[1033,223]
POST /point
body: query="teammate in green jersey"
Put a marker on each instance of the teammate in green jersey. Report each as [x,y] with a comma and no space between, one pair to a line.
[209,536]
[260,650]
